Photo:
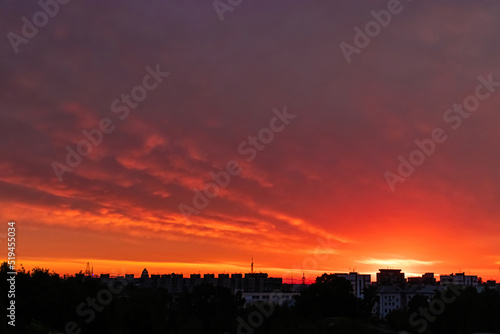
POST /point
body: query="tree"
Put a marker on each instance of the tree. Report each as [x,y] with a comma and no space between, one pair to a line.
[329,296]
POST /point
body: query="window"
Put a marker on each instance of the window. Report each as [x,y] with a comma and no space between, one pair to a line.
[265,297]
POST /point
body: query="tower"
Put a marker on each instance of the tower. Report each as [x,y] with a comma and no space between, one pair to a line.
[251,266]
[87,270]
[303,279]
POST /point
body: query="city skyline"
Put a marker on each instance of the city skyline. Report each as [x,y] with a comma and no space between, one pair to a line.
[315,137]
[296,278]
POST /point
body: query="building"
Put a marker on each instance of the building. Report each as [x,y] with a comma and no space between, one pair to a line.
[194,280]
[224,281]
[209,279]
[390,299]
[105,279]
[237,283]
[396,297]
[174,283]
[458,279]
[155,281]
[145,281]
[276,298]
[428,291]
[260,282]
[390,277]
[145,273]
[254,282]
[492,283]
[273,284]
[427,278]
[358,281]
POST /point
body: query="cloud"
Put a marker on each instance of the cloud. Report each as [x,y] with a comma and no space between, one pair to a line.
[398,262]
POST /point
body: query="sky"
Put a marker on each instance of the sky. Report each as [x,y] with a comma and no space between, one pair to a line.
[305,118]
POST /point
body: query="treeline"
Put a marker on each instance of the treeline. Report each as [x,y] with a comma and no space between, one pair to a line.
[456,310]
[45,303]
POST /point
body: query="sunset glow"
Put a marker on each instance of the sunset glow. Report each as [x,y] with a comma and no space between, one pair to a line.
[310,197]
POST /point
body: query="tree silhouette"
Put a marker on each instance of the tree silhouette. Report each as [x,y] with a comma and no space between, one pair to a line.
[329,296]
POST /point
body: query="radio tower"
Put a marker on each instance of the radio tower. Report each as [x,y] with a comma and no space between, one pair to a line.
[87,270]
[303,279]
[251,266]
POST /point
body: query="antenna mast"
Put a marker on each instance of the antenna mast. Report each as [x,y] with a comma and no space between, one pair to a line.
[87,270]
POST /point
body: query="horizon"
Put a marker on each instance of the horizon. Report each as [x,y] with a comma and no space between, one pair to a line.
[307,136]
[310,277]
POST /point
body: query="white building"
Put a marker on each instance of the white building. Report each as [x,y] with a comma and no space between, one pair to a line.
[458,279]
[428,291]
[392,298]
[358,281]
[277,298]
